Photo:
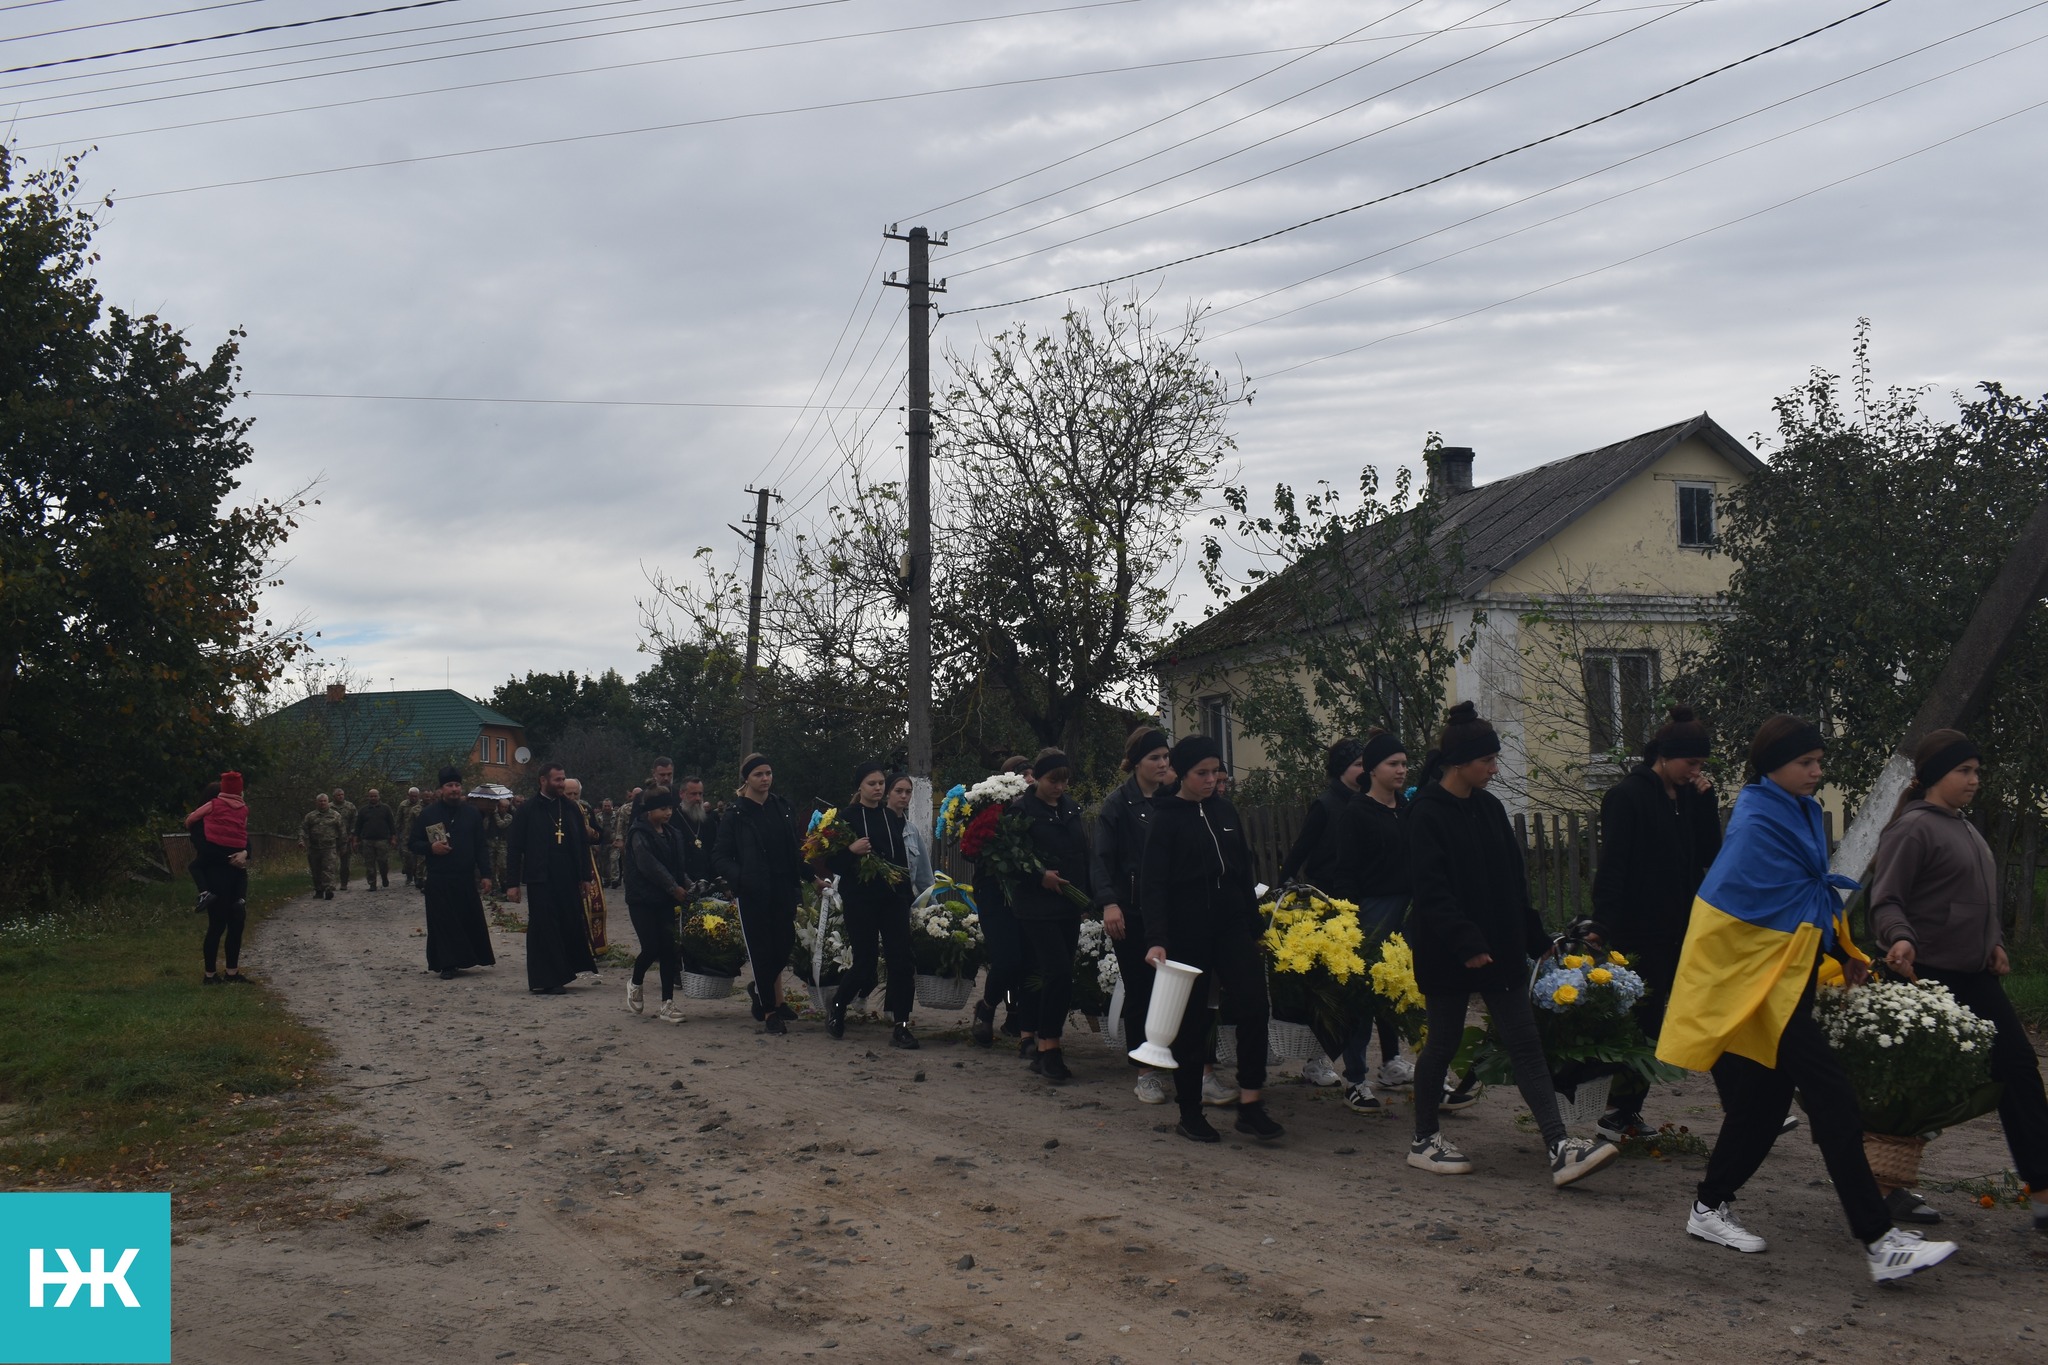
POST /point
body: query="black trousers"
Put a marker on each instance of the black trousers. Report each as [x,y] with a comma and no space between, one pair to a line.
[1005,939]
[656,930]
[1755,1100]
[883,921]
[2023,1111]
[1658,967]
[1048,987]
[1233,963]
[1137,974]
[225,917]
[770,933]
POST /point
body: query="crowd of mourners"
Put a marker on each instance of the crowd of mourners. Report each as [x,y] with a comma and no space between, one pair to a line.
[1425,850]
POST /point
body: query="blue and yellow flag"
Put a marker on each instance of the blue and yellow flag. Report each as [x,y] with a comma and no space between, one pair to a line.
[1767,908]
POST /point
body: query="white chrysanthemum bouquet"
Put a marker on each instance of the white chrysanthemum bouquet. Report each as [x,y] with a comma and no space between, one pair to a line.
[1920,1062]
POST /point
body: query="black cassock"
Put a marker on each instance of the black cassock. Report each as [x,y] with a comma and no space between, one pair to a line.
[457,933]
[547,852]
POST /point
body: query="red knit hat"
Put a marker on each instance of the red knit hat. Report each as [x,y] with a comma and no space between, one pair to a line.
[230,784]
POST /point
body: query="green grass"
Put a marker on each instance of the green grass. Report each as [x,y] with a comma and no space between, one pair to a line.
[2027,987]
[115,1062]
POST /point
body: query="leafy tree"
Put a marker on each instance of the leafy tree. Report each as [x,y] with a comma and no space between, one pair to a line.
[549,704]
[129,623]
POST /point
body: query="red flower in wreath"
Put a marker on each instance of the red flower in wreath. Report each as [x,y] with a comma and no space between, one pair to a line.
[980,830]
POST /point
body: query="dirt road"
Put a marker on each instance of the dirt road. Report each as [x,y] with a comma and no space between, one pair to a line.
[597,1186]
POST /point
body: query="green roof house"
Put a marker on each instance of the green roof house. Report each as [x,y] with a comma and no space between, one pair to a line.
[397,731]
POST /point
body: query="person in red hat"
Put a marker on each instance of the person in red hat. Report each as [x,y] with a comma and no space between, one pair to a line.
[220,859]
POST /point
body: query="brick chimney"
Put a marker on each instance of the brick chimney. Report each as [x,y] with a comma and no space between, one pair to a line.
[337,692]
[1452,472]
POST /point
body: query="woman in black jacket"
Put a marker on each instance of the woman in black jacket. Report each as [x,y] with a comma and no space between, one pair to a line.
[1050,921]
[1373,829]
[656,884]
[760,858]
[1472,930]
[876,910]
[1004,983]
[1201,909]
[1660,828]
[1320,856]
[1120,826]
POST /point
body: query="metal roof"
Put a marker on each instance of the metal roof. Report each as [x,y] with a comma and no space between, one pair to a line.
[437,721]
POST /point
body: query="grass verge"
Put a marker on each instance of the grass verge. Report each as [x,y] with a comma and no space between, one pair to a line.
[118,1070]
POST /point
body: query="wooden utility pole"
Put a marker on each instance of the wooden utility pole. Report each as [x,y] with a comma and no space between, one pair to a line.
[750,687]
[918,488]
[1963,687]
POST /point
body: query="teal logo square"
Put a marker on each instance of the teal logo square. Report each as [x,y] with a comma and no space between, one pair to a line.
[85,1279]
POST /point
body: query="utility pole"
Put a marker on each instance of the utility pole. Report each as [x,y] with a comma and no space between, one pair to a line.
[749,680]
[918,486]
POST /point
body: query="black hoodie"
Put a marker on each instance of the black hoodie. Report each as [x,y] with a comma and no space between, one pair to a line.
[1060,839]
[653,866]
[883,829]
[1471,895]
[1319,856]
[1196,883]
[758,854]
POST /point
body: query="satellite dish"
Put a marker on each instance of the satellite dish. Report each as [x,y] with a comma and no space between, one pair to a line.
[522,754]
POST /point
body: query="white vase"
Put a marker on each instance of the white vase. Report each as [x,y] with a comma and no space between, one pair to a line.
[1171,987]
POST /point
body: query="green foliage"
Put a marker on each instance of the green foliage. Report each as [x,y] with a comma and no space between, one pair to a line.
[548,704]
[1862,554]
[129,624]
[1363,599]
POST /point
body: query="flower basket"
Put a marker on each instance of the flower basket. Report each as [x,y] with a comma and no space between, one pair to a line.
[1585,1005]
[1226,1045]
[1920,1062]
[1291,1042]
[945,932]
[1895,1161]
[703,986]
[1312,942]
[948,993]
[1587,1103]
[1095,971]
[820,966]
[711,941]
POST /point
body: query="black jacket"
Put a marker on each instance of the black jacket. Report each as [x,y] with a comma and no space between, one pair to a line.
[1120,826]
[653,867]
[469,855]
[533,853]
[1060,838]
[1375,839]
[1654,853]
[700,843]
[1319,855]
[1471,895]
[883,829]
[376,823]
[758,854]
[1196,884]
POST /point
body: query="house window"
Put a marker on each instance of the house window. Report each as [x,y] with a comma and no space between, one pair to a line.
[501,753]
[1214,714]
[1696,516]
[1621,699]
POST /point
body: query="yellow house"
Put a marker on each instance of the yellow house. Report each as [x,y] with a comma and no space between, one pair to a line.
[1582,585]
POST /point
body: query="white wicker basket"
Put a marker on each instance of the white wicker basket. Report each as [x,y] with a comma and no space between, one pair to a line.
[944,992]
[1291,1042]
[697,986]
[1582,1111]
[1226,1046]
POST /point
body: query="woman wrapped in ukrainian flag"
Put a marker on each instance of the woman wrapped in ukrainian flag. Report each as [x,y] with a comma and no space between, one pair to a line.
[1766,917]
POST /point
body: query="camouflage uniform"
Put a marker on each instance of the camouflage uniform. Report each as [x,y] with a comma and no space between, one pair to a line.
[409,811]
[347,810]
[610,826]
[324,834]
[376,847]
[495,825]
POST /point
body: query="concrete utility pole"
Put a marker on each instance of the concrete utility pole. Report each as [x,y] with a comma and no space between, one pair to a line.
[918,487]
[1963,687]
[750,686]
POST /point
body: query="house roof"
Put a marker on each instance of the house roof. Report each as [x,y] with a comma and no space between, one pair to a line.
[1498,525]
[436,720]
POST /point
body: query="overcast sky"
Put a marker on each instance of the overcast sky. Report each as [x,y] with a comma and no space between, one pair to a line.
[622,205]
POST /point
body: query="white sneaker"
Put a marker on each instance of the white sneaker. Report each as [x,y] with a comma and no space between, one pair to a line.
[669,1013]
[634,1000]
[1719,1227]
[1899,1253]
[1398,1074]
[1359,1099]
[1434,1154]
[1217,1091]
[1574,1159]
[1318,1071]
[1150,1089]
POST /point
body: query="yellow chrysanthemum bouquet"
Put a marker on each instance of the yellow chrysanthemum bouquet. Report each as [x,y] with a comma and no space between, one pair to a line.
[1392,976]
[712,944]
[1312,944]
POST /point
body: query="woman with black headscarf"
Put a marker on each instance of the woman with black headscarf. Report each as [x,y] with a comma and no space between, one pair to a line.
[876,909]
[1472,930]
[1374,831]
[1120,826]
[1051,922]
[1319,856]
[760,859]
[1201,909]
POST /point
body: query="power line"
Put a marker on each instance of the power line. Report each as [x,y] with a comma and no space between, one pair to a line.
[1447,175]
[1652,251]
[1630,159]
[1321,118]
[545,402]
[239,33]
[117,23]
[702,122]
[830,356]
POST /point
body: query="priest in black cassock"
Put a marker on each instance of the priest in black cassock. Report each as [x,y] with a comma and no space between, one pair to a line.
[548,853]
[458,864]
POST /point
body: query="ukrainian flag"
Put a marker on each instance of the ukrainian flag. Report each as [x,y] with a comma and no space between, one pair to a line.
[1768,907]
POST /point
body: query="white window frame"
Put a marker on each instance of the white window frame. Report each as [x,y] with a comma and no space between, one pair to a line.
[1713,513]
[1617,720]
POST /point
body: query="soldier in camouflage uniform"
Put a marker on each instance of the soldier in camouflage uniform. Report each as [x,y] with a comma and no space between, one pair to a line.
[610,829]
[496,822]
[376,834]
[347,810]
[323,835]
[408,811]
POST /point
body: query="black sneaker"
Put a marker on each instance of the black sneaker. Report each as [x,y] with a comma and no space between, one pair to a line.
[1010,1028]
[783,1011]
[1617,1124]
[835,1019]
[1028,1051]
[773,1024]
[1052,1064]
[1195,1128]
[902,1037]
[1254,1121]
[983,1030]
[754,1001]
